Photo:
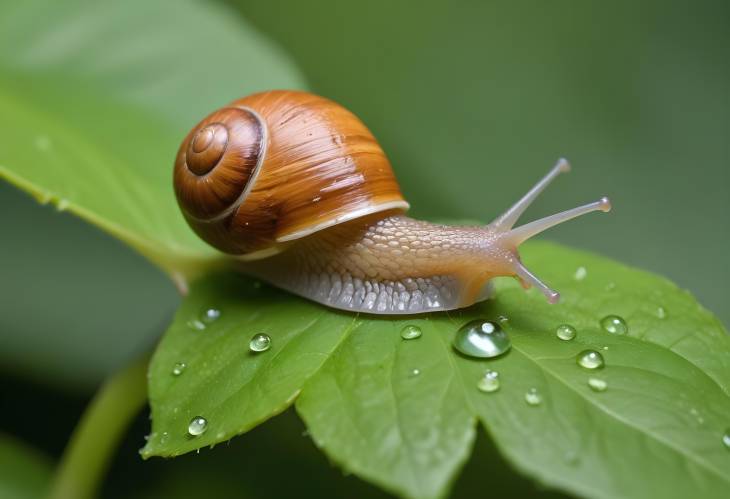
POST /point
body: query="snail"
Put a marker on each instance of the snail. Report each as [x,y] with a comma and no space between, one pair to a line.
[299,191]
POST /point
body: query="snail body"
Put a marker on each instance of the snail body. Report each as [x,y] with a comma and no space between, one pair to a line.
[299,191]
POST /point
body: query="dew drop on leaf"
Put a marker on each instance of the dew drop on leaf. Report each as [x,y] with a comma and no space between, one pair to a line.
[597,384]
[726,438]
[482,339]
[590,359]
[580,274]
[197,426]
[178,368]
[410,332]
[489,382]
[533,397]
[196,325]
[415,372]
[209,315]
[614,324]
[565,332]
[62,204]
[259,343]
[661,312]
[42,143]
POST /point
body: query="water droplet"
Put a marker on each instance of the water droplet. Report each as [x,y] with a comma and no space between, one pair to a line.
[489,382]
[565,332]
[178,368]
[415,372]
[43,143]
[590,359]
[43,197]
[482,339]
[580,274]
[614,324]
[62,204]
[197,426]
[726,438]
[410,332]
[209,315]
[502,319]
[694,412]
[533,397]
[597,384]
[661,312]
[164,437]
[259,343]
[196,325]
[610,286]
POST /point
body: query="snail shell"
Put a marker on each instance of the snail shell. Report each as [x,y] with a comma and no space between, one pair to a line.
[277,166]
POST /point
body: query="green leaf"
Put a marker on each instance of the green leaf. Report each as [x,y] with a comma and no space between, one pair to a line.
[664,411]
[95,99]
[233,388]
[24,472]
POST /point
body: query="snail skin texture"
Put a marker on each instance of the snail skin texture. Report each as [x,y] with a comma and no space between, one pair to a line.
[299,191]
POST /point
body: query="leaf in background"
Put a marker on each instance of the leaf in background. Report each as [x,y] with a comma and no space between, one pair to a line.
[24,472]
[664,411]
[95,98]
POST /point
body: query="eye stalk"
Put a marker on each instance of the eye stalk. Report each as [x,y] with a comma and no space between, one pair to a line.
[511,237]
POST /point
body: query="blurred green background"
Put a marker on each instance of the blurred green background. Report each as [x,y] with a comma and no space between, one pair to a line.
[473,101]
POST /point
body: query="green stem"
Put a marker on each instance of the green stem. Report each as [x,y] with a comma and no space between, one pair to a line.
[88,453]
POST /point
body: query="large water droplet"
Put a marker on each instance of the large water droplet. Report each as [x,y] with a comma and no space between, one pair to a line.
[197,426]
[614,324]
[533,397]
[482,339]
[209,315]
[178,368]
[565,332]
[580,273]
[260,343]
[590,359]
[597,384]
[410,332]
[196,325]
[726,438]
[489,382]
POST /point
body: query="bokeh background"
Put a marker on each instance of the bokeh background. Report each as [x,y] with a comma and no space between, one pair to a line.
[473,101]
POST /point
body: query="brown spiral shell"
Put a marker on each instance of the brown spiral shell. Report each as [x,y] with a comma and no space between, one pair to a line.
[278,166]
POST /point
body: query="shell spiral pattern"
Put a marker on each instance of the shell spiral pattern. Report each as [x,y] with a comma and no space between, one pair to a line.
[278,166]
